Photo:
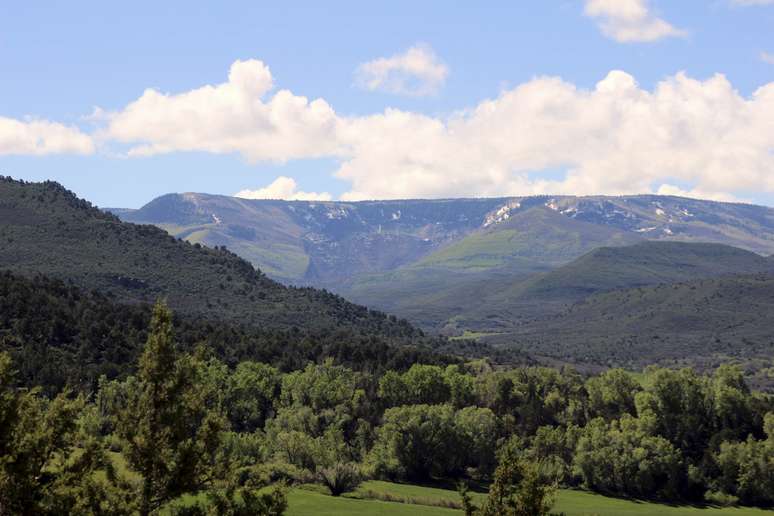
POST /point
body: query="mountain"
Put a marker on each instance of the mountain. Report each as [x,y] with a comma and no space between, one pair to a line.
[703,321]
[325,242]
[429,260]
[646,263]
[452,280]
[509,304]
[318,243]
[45,229]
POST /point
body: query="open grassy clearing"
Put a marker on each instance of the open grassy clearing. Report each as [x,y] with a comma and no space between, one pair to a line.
[307,503]
[573,503]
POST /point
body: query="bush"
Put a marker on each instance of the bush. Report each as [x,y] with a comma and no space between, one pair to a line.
[340,478]
[721,498]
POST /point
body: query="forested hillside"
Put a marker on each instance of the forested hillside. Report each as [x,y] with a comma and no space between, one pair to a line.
[46,229]
[510,301]
[61,335]
[699,322]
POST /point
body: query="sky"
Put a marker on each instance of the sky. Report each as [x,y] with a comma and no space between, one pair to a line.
[349,100]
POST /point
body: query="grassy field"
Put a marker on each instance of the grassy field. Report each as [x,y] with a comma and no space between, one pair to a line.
[572,503]
[474,335]
[308,503]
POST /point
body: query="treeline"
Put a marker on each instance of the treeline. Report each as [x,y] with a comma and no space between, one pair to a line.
[189,423]
[60,335]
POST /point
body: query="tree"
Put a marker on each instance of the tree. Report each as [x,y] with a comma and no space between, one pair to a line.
[680,406]
[171,421]
[611,394]
[322,387]
[518,489]
[40,470]
[477,431]
[461,387]
[747,467]
[252,389]
[620,458]
[417,442]
[340,478]
[553,447]
[421,384]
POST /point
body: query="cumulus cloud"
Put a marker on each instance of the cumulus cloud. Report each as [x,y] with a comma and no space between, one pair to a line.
[767,58]
[40,137]
[283,188]
[614,138]
[416,72]
[234,116]
[667,189]
[629,21]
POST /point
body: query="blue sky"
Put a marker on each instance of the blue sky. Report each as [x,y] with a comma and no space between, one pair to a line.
[61,60]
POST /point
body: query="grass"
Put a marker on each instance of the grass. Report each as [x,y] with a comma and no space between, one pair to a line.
[307,503]
[474,335]
[572,503]
[580,503]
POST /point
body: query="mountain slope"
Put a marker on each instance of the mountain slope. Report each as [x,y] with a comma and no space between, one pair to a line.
[443,284]
[707,320]
[430,260]
[317,243]
[330,243]
[45,229]
[61,335]
[646,263]
[511,303]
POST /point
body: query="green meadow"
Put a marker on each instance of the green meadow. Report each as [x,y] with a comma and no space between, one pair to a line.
[420,501]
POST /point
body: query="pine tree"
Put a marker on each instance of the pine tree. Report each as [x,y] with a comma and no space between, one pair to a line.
[169,430]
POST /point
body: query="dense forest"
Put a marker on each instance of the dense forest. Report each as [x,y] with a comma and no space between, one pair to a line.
[186,422]
[61,335]
[46,229]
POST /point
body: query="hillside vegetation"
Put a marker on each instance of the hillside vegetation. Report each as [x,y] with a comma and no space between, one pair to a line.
[508,301]
[45,229]
[455,264]
[60,335]
[189,434]
[709,320]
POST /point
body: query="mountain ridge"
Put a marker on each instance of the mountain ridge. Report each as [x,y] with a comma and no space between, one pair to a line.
[311,233]
[46,229]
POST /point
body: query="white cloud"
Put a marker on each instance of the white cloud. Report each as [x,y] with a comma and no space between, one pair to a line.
[615,138]
[629,21]
[416,72]
[767,58]
[283,188]
[40,137]
[667,189]
[229,117]
[752,2]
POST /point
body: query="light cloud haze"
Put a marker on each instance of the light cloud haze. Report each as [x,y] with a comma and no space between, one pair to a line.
[41,137]
[283,188]
[416,72]
[630,21]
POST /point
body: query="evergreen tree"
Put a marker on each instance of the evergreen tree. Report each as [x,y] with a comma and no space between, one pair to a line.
[170,432]
[518,489]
